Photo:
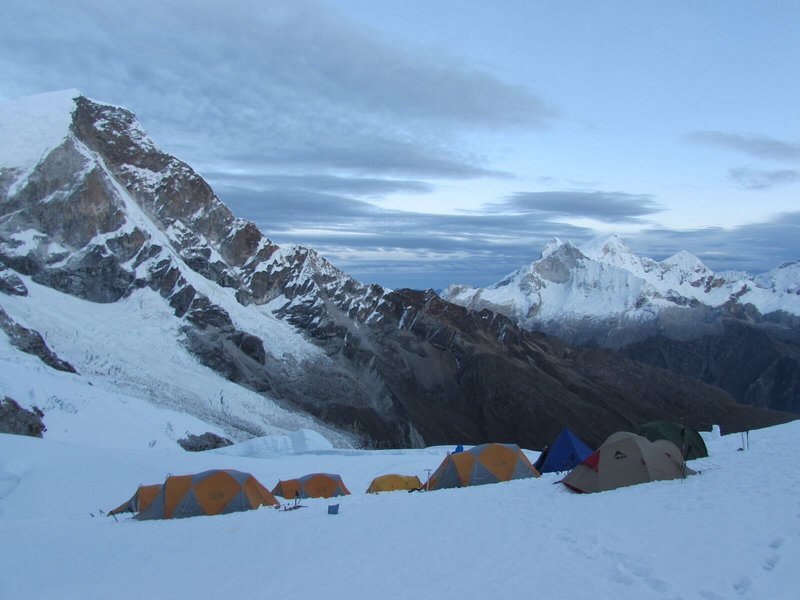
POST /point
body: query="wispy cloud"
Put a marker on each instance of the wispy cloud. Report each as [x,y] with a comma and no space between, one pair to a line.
[610,207]
[756,146]
[356,186]
[401,249]
[759,146]
[755,247]
[759,179]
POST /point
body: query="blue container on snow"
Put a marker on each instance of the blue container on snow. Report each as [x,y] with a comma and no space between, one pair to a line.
[333,509]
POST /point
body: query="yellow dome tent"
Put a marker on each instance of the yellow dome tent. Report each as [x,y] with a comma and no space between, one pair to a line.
[391,483]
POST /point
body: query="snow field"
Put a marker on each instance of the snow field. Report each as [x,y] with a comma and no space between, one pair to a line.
[136,381]
[733,531]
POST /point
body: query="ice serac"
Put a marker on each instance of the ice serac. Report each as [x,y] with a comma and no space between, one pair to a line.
[104,216]
[603,294]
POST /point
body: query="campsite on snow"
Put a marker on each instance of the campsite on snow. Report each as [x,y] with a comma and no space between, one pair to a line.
[730,531]
[190,410]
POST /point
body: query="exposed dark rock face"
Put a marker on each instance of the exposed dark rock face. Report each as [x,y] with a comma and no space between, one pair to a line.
[753,357]
[460,375]
[32,342]
[398,368]
[757,364]
[11,284]
[206,441]
[18,421]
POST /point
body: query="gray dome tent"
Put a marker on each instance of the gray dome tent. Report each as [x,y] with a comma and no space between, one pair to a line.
[627,459]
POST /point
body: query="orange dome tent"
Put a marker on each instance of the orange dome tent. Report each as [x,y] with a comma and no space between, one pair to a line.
[487,463]
[209,493]
[140,500]
[314,485]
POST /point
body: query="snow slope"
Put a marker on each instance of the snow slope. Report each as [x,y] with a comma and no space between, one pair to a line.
[733,531]
[31,127]
[130,353]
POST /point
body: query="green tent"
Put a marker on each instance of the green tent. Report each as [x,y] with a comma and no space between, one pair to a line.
[685,438]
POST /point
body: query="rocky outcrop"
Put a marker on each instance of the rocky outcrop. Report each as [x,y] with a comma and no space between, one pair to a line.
[32,342]
[201,443]
[11,284]
[19,421]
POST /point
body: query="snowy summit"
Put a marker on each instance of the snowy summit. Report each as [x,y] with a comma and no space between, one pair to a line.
[603,280]
[31,127]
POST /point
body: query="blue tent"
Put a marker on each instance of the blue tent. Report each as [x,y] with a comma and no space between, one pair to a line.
[567,451]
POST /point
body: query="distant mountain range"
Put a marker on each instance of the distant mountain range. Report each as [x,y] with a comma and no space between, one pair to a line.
[732,329]
[123,272]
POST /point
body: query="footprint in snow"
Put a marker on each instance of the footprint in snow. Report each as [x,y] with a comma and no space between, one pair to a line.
[743,585]
[8,483]
[776,543]
[770,563]
[628,570]
[772,560]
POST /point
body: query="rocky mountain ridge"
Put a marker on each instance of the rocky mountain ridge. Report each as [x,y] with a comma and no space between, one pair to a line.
[740,330]
[103,215]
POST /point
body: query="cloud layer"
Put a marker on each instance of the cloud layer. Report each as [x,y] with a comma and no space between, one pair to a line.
[609,207]
[411,249]
[266,85]
[303,121]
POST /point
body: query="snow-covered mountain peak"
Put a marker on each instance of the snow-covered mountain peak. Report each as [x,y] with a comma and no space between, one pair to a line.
[555,264]
[551,246]
[100,214]
[30,127]
[603,283]
[784,279]
[602,246]
[688,262]
[614,251]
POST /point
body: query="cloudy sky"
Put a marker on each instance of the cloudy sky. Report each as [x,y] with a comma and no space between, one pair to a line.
[427,142]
